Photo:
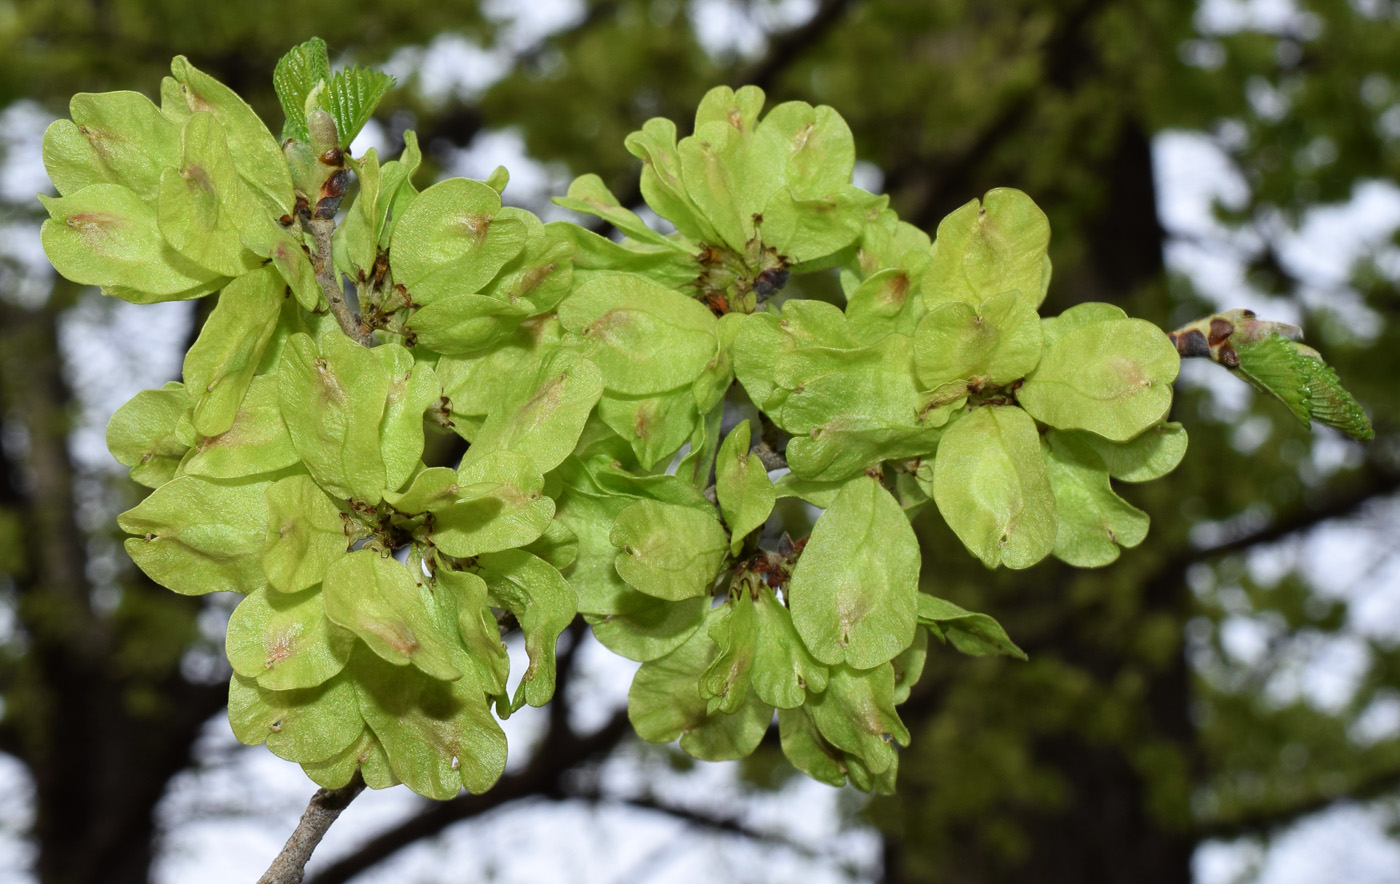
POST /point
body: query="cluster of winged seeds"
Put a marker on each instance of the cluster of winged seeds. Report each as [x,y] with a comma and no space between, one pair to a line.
[618,406]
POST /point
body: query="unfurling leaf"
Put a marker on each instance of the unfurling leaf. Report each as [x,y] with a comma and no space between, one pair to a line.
[296,78]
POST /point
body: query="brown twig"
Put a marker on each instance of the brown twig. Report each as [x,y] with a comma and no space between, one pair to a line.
[290,865]
[321,230]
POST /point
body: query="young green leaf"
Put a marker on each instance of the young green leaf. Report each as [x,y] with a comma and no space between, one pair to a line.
[203,201]
[413,386]
[783,672]
[909,665]
[642,627]
[105,235]
[665,703]
[460,604]
[1297,377]
[809,752]
[255,151]
[465,324]
[856,714]
[544,414]
[644,338]
[887,302]
[985,248]
[365,755]
[511,514]
[305,726]
[439,736]
[724,684]
[296,78]
[257,442]
[590,196]
[351,97]
[1149,455]
[655,426]
[543,603]
[333,399]
[450,242]
[849,410]
[113,138]
[997,342]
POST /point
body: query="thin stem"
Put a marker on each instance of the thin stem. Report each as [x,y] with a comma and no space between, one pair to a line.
[290,865]
[321,230]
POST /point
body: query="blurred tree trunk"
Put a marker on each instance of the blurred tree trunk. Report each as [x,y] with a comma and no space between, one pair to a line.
[97,708]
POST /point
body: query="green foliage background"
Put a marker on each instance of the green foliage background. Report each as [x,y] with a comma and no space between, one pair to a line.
[1119,746]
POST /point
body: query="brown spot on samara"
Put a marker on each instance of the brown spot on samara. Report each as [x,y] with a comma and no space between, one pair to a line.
[898,289]
[531,280]
[1220,330]
[476,225]
[198,176]
[88,223]
[195,101]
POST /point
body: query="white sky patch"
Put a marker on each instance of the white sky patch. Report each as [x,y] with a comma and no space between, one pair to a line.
[450,67]
[1379,721]
[726,28]
[16,816]
[532,182]
[868,177]
[1347,843]
[22,173]
[1265,16]
[527,24]
[113,350]
[371,136]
